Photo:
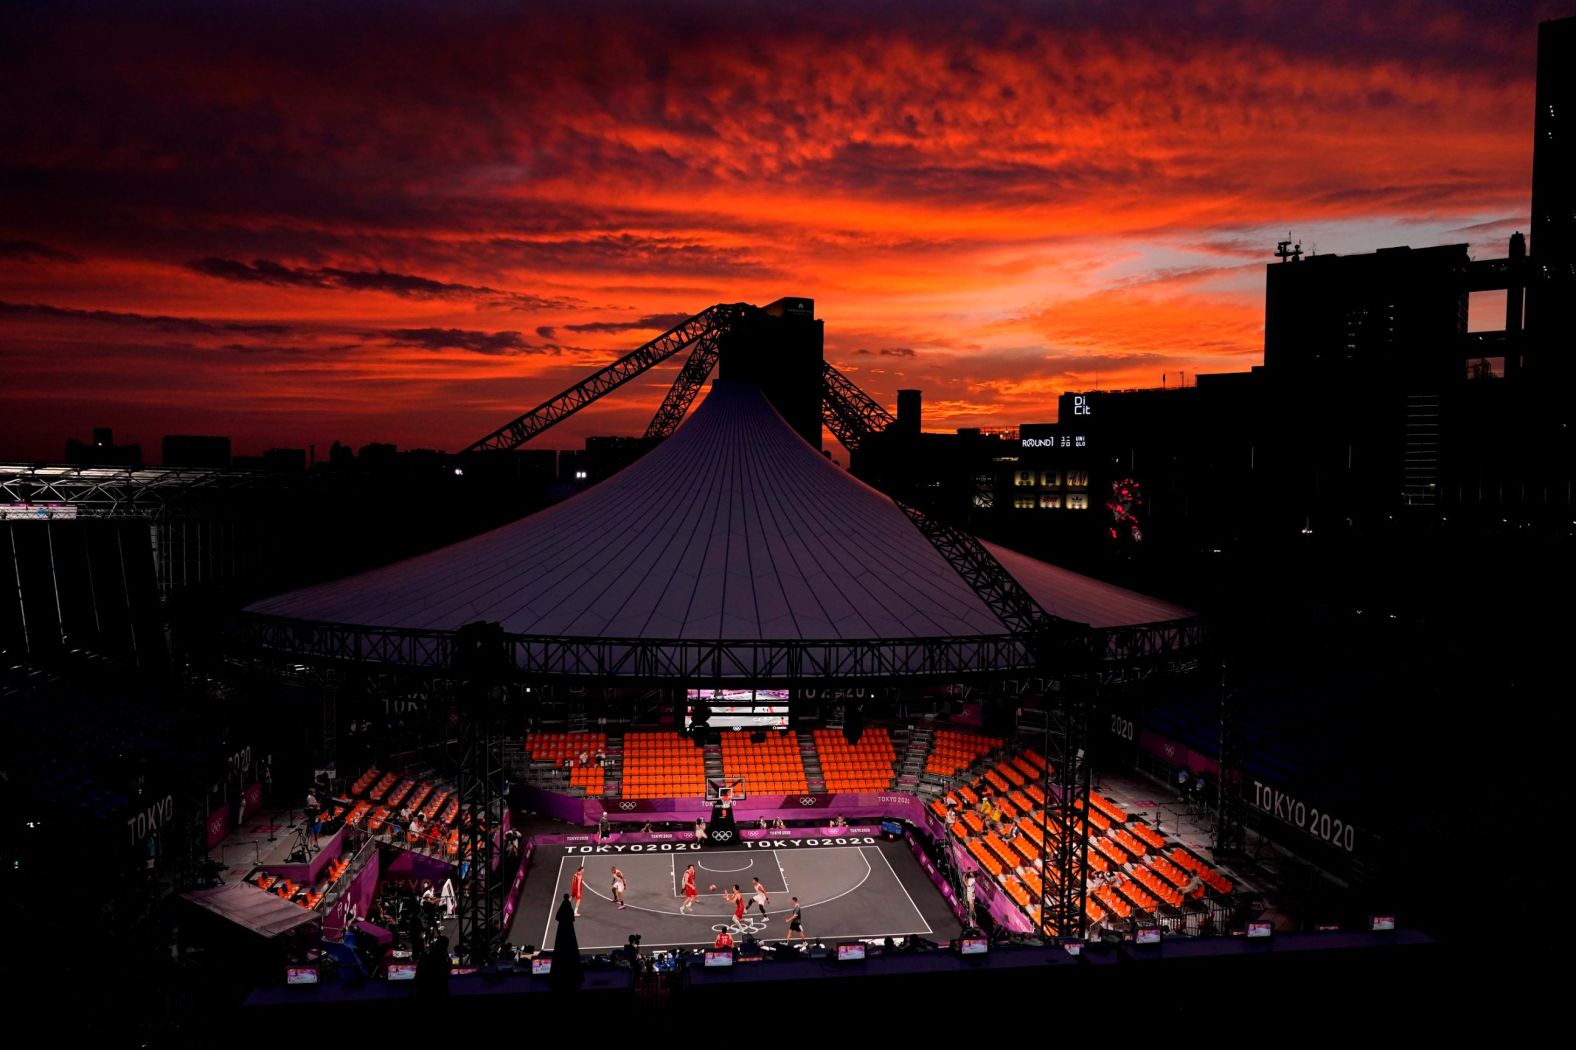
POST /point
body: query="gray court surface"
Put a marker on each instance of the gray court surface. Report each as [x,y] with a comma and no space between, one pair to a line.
[860,886]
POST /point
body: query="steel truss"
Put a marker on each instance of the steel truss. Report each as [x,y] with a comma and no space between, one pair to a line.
[522,429]
[758,661]
[1002,594]
[685,386]
[634,661]
[849,413]
[480,655]
[124,492]
[1229,806]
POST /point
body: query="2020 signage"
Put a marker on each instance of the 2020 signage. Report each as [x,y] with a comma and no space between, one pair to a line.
[1321,825]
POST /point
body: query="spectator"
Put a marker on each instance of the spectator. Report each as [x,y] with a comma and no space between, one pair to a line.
[761,823]
[601,758]
[779,824]
[700,830]
[585,759]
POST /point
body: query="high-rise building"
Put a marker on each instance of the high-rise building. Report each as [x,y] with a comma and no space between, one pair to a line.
[196,450]
[1396,314]
[1551,294]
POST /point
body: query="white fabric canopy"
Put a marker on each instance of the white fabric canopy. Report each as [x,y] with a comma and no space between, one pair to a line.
[258,910]
[732,529]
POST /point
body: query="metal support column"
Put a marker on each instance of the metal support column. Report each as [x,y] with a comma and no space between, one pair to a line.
[1228,786]
[481,663]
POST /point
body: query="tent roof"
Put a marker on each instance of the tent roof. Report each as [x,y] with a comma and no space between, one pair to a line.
[732,529]
[258,910]
[1084,599]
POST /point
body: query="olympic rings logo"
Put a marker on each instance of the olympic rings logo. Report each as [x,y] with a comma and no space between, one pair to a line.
[805,800]
[628,806]
[722,836]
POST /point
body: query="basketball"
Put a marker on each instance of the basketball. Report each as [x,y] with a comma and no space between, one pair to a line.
[711,887]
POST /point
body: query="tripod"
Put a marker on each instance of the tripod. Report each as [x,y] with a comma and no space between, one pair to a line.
[303,846]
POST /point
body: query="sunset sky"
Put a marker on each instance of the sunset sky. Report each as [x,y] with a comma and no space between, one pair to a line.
[294,224]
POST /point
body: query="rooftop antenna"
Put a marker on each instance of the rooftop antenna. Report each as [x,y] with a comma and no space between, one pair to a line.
[1285,251]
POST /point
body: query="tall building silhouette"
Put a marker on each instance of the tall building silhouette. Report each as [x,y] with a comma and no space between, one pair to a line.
[1551,298]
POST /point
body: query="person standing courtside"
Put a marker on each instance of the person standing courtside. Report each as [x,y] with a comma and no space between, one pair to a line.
[577,888]
[795,920]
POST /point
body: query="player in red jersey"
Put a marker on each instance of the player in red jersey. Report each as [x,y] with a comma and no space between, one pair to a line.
[736,898]
[577,887]
[691,894]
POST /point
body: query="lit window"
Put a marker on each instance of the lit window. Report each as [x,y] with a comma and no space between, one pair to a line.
[1023,478]
[1077,479]
[1050,478]
[1048,502]
[1023,502]
[1078,501]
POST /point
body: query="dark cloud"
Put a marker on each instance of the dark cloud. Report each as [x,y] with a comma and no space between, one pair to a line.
[650,322]
[890,351]
[34,252]
[156,322]
[490,343]
[405,285]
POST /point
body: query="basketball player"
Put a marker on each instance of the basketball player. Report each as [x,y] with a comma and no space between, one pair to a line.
[577,887]
[735,897]
[691,894]
[618,887]
[760,897]
[795,920]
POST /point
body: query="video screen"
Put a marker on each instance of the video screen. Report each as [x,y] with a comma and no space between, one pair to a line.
[1259,929]
[973,946]
[541,966]
[301,975]
[891,827]
[740,708]
[850,952]
[1148,935]
[719,957]
[1382,922]
[1073,948]
[402,971]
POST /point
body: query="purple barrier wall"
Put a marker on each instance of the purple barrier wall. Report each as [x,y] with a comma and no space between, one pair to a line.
[513,898]
[363,888]
[940,883]
[588,811]
[408,865]
[307,874]
[218,825]
[377,933]
[1004,911]
[642,838]
[1176,754]
[559,807]
[772,807]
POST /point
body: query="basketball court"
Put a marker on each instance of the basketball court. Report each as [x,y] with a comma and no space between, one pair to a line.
[853,887]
